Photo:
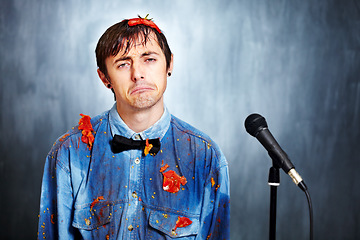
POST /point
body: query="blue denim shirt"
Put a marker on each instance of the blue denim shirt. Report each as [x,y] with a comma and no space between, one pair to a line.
[96,194]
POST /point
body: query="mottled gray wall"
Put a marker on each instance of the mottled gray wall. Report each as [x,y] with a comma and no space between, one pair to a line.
[296,62]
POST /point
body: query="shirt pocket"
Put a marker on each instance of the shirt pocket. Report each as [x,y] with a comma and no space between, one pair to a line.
[165,222]
[92,217]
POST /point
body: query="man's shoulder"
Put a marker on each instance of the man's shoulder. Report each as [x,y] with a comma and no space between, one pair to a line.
[184,129]
[187,128]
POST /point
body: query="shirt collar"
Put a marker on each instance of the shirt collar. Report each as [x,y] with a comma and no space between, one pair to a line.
[119,127]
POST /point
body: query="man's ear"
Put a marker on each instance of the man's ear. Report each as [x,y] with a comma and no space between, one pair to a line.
[103,78]
[171,64]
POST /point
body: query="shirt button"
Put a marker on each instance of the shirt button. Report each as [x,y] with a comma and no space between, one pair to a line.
[130,228]
[134,195]
[137,160]
[137,137]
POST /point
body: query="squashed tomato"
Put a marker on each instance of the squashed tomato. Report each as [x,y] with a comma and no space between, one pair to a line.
[164,168]
[86,127]
[144,21]
[182,222]
[148,147]
[172,181]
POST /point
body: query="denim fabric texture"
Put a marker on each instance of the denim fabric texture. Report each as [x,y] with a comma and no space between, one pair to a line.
[96,194]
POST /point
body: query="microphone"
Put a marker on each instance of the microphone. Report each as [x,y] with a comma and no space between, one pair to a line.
[257,127]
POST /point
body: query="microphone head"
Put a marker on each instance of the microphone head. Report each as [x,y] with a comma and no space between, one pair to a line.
[254,123]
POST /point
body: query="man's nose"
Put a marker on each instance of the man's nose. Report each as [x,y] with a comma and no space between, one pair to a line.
[137,72]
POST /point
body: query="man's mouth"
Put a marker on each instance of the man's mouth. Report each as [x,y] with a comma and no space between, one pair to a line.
[140,89]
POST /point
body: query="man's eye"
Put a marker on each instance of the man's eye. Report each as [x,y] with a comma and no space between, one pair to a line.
[151,60]
[122,65]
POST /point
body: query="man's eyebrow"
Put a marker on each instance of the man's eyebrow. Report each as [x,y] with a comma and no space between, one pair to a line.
[123,58]
[149,53]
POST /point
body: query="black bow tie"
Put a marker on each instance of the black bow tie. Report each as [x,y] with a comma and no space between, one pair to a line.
[120,143]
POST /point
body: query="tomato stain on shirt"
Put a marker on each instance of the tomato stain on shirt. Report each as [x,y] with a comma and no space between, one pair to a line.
[87,129]
[182,222]
[63,137]
[172,181]
[96,201]
[162,169]
[52,219]
[212,182]
[148,147]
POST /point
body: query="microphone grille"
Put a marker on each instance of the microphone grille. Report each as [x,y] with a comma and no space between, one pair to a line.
[254,123]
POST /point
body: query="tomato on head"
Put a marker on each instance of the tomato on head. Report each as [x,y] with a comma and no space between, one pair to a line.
[143,21]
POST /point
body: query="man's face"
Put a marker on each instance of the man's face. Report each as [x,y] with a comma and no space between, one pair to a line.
[139,76]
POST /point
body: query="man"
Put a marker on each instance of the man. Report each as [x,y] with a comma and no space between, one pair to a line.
[135,171]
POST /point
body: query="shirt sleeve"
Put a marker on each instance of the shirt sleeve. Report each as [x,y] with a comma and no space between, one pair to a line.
[56,201]
[215,215]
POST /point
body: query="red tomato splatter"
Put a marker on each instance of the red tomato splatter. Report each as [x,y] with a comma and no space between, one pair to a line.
[164,168]
[96,201]
[212,182]
[182,222]
[86,127]
[148,147]
[172,181]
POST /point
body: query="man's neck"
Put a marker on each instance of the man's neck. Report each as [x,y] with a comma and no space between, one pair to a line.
[140,120]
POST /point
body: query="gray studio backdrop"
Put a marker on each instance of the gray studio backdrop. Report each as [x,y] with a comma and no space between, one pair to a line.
[296,62]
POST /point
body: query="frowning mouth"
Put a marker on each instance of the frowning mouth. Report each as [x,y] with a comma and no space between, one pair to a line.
[140,89]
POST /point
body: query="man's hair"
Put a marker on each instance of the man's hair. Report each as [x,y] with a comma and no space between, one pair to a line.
[121,37]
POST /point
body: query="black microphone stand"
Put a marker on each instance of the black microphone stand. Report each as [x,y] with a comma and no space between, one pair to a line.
[274,182]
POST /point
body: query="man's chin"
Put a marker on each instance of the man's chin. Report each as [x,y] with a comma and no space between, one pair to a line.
[144,102]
